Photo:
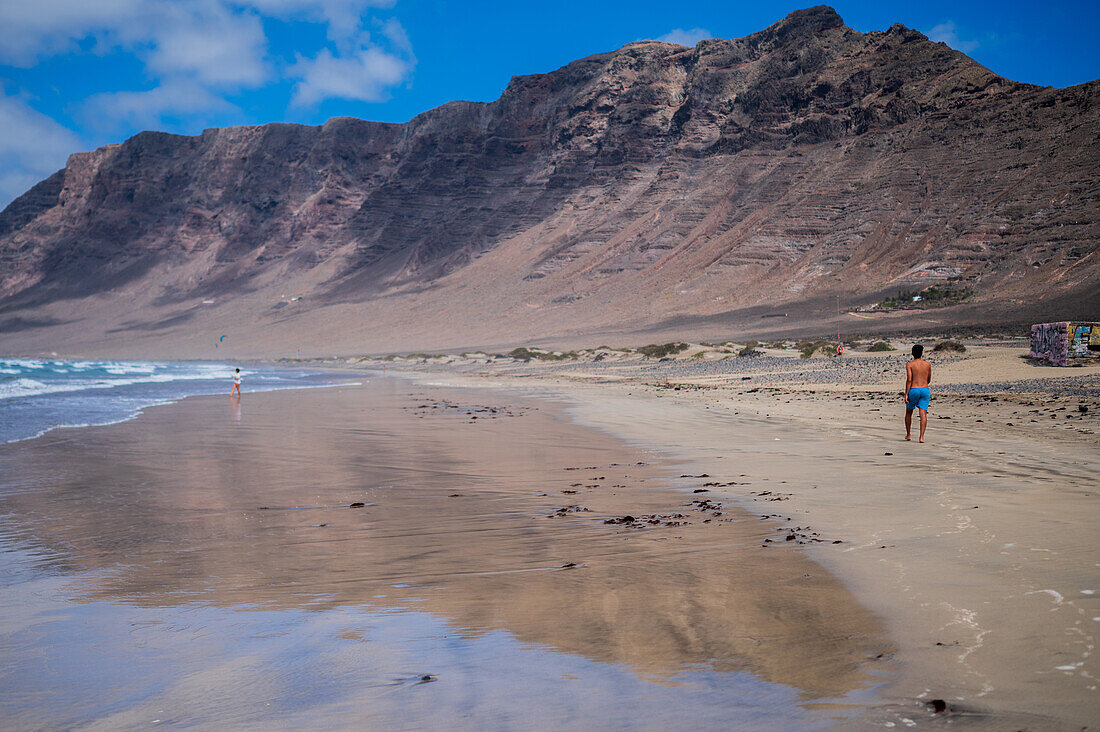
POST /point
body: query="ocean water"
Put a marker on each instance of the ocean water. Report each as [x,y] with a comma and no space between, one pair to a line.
[38,395]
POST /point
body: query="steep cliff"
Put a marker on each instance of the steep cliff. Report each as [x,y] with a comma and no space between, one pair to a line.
[629,191]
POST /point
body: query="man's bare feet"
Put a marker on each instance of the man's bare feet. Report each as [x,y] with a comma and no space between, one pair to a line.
[922,439]
[908,437]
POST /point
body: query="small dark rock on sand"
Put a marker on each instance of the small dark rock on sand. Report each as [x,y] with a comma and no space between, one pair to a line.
[357,504]
[938,705]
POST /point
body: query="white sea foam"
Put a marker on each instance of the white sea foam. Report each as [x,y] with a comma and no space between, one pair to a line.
[21,387]
[38,395]
[38,377]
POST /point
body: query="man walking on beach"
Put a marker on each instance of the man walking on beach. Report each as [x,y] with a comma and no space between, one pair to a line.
[237,384]
[918,375]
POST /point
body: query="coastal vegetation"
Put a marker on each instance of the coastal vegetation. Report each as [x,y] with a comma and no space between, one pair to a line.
[949,347]
[934,296]
[806,349]
[661,351]
[749,349]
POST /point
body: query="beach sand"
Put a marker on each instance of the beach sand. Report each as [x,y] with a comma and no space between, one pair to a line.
[977,549]
[207,564]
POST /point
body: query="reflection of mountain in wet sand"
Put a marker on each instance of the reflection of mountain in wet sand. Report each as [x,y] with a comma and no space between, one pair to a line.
[188,504]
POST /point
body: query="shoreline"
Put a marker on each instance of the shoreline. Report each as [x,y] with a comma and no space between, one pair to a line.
[113,403]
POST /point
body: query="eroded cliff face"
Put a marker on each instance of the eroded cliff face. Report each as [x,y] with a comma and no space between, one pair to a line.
[650,185]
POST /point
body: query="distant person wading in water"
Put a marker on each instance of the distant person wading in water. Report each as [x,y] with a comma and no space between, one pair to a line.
[918,375]
[236,384]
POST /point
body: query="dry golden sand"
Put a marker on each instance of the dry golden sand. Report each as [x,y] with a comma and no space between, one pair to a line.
[204,507]
[978,549]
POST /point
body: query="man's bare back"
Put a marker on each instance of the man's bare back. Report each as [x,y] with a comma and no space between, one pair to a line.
[918,373]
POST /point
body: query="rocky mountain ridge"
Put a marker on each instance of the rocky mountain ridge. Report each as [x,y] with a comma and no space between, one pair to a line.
[654,187]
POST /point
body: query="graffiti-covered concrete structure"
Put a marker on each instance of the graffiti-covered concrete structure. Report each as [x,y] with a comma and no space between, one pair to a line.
[1058,343]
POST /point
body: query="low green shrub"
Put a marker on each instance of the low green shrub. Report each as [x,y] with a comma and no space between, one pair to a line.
[881,346]
[660,351]
[933,296]
[808,348]
[526,354]
[952,346]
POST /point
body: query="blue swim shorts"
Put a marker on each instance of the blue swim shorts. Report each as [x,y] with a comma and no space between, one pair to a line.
[918,398]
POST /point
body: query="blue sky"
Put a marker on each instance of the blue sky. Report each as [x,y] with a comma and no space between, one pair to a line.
[76,74]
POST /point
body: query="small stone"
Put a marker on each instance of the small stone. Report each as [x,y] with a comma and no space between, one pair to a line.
[888,453]
[357,504]
[938,706]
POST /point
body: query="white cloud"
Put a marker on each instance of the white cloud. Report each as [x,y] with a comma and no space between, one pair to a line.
[396,34]
[32,146]
[363,75]
[343,17]
[114,111]
[198,52]
[685,37]
[948,33]
[46,27]
[208,42]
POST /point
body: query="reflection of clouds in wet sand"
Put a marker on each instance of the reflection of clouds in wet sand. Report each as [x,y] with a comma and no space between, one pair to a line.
[179,510]
[350,667]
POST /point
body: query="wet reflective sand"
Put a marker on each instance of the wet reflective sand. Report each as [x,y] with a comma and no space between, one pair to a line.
[206,564]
